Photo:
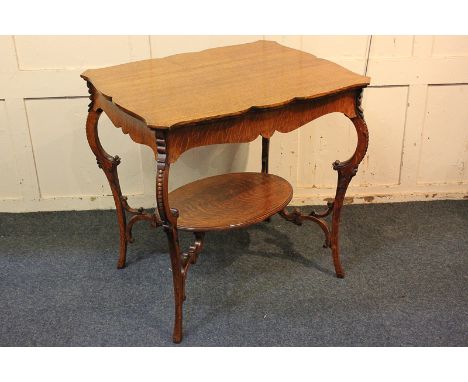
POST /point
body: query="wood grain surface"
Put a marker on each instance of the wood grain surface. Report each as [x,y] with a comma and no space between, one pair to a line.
[229,201]
[249,125]
[193,87]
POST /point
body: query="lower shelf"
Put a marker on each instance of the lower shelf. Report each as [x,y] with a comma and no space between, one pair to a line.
[229,201]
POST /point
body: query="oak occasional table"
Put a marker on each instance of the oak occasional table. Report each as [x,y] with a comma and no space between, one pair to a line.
[223,95]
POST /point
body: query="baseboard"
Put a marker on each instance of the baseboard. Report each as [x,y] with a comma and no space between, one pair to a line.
[82,203]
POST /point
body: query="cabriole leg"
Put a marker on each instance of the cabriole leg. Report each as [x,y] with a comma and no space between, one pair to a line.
[109,165]
[346,171]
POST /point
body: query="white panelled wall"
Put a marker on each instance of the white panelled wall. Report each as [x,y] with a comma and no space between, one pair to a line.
[416,110]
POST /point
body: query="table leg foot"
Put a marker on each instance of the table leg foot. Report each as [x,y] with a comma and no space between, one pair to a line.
[122,260]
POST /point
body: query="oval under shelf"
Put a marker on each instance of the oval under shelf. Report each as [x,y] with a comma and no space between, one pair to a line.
[229,201]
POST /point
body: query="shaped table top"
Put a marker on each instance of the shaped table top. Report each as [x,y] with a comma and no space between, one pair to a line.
[220,82]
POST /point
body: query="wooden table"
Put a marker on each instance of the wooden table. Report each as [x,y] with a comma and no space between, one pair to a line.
[223,95]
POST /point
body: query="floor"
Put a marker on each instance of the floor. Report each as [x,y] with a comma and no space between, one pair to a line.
[268,285]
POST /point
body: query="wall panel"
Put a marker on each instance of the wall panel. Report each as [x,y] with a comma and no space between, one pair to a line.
[69,52]
[391,46]
[319,148]
[65,164]
[10,181]
[162,46]
[348,51]
[8,62]
[385,113]
[450,46]
[202,162]
[444,142]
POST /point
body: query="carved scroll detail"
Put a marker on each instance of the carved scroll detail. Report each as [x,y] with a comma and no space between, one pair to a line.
[346,171]
[191,256]
[109,165]
[92,92]
[138,215]
[297,217]
[359,109]
[168,215]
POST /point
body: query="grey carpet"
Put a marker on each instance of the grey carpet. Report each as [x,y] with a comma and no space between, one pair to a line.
[268,285]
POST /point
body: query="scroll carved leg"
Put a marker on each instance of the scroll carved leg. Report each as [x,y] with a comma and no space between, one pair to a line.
[168,218]
[109,165]
[346,171]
